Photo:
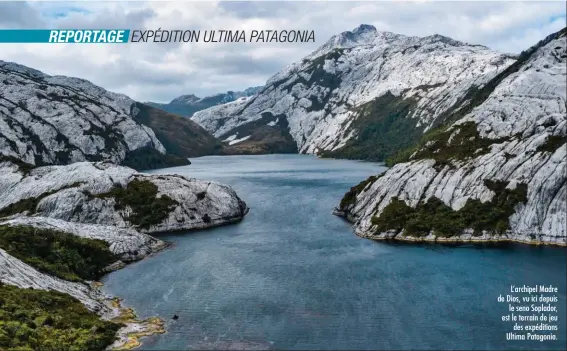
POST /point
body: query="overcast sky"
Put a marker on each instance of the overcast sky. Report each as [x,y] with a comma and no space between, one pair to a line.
[160,72]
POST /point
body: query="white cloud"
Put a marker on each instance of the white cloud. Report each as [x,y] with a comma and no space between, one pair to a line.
[160,72]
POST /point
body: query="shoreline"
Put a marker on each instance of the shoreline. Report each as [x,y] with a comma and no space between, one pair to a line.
[128,337]
[457,239]
[431,239]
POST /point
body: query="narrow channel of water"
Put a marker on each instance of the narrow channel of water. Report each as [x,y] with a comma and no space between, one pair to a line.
[293,276]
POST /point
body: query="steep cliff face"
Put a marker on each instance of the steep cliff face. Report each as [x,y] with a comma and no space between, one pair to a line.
[497,173]
[106,194]
[364,94]
[46,120]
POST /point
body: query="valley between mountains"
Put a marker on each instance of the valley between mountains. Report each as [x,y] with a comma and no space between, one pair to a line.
[475,141]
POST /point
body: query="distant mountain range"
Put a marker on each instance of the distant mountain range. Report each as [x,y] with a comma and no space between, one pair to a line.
[187,105]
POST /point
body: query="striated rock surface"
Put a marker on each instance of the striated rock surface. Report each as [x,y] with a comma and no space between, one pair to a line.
[55,120]
[111,203]
[15,272]
[107,194]
[128,244]
[60,120]
[364,94]
[507,142]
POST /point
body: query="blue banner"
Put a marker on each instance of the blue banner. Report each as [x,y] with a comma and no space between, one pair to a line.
[84,36]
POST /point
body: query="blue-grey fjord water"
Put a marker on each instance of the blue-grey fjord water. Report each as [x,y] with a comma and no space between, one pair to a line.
[293,276]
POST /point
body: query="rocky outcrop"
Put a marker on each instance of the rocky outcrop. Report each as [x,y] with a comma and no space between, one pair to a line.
[15,272]
[56,120]
[497,173]
[364,94]
[61,139]
[127,243]
[107,202]
[107,194]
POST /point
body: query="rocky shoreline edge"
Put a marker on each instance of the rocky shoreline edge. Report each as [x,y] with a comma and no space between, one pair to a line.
[464,238]
[128,337]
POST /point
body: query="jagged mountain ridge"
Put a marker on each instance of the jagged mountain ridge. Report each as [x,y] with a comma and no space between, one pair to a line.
[502,163]
[48,120]
[363,94]
[187,105]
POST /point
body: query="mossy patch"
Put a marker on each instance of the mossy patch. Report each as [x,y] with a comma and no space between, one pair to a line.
[459,142]
[350,196]
[382,129]
[50,321]
[434,216]
[30,204]
[150,158]
[60,254]
[141,196]
[552,143]
[179,135]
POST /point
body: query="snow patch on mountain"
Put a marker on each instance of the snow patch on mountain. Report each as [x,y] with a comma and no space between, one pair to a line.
[236,141]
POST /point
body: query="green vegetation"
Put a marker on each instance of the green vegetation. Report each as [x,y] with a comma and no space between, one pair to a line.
[180,136]
[141,196]
[473,98]
[30,204]
[434,215]
[50,321]
[25,168]
[465,143]
[150,158]
[552,143]
[350,196]
[60,254]
[264,139]
[382,129]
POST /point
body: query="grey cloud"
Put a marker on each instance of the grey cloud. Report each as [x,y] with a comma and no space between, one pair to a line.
[19,15]
[163,71]
[257,9]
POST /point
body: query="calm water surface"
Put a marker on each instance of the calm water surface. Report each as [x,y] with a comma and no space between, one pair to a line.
[293,276]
